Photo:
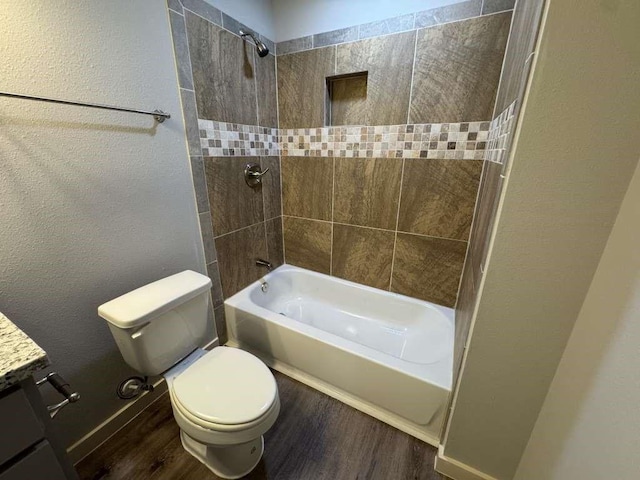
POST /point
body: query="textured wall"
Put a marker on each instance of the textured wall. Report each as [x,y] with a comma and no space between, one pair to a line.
[92,203]
[595,392]
[556,212]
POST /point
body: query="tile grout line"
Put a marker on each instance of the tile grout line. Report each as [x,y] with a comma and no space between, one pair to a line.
[284,246]
[333,195]
[365,226]
[284,254]
[255,80]
[264,203]
[308,219]
[264,218]
[422,235]
[413,71]
[239,229]
[205,18]
[395,237]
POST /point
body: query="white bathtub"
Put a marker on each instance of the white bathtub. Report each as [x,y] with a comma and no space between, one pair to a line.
[388,355]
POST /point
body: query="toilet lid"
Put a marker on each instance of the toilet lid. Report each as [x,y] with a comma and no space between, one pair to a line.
[226,386]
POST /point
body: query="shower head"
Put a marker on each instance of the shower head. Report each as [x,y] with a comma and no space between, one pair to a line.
[262,49]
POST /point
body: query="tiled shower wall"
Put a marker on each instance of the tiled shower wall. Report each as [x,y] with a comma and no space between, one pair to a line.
[221,78]
[390,204]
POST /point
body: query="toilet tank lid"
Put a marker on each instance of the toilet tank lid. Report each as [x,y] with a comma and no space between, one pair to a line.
[141,305]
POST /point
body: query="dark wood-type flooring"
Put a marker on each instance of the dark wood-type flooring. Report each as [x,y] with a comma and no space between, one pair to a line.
[314,438]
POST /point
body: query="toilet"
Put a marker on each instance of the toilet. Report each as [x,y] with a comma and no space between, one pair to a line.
[223,400]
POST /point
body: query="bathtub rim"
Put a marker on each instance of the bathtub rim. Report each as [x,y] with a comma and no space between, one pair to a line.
[242,298]
[448,312]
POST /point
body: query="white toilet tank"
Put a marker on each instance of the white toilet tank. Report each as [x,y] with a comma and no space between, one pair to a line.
[157,325]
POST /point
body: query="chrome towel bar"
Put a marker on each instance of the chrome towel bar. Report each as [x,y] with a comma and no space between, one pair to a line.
[159,115]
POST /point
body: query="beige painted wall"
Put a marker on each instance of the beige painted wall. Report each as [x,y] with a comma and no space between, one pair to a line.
[574,153]
[92,203]
[588,426]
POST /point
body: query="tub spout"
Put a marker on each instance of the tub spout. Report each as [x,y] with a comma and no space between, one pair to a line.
[263,263]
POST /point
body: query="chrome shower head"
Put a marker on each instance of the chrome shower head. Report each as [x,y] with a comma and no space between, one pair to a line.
[262,49]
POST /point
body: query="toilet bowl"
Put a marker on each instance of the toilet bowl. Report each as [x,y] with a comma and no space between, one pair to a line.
[223,400]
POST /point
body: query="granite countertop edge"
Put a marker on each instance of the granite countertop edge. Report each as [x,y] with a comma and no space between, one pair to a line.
[20,356]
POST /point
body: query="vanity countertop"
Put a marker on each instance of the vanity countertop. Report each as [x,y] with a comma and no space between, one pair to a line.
[20,357]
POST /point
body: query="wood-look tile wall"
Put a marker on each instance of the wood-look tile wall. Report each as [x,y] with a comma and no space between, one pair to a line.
[246,221]
[457,69]
[438,74]
[390,223]
[222,79]
[517,60]
[388,61]
[217,56]
[302,87]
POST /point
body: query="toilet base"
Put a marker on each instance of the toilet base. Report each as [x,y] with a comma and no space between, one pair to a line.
[232,461]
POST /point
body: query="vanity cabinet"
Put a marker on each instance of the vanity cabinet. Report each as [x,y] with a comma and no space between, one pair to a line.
[28,446]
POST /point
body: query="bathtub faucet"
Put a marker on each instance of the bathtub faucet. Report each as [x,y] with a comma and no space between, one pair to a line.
[263,263]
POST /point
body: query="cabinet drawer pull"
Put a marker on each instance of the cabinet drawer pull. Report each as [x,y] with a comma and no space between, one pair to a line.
[62,386]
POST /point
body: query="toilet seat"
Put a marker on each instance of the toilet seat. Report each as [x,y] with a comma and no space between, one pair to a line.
[222,428]
[227,389]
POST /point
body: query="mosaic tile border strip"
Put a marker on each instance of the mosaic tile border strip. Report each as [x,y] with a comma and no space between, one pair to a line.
[403,23]
[460,141]
[500,135]
[221,139]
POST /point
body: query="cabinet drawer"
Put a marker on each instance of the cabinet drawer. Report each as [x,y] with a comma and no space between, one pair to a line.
[21,427]
[40,464]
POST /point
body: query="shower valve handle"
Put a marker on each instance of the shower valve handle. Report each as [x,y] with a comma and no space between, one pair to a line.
[253,174]
[258,174]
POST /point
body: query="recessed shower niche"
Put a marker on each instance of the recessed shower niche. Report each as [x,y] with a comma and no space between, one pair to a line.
[346,99]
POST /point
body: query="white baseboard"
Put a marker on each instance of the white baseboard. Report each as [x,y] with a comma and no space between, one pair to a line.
[115,422]
[457,470]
